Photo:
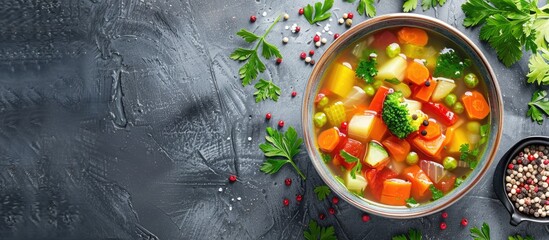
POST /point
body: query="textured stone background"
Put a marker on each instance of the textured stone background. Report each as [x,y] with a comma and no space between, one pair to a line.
[121,119]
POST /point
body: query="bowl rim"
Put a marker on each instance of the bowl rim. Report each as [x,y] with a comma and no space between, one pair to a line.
[499,179]
[330,180]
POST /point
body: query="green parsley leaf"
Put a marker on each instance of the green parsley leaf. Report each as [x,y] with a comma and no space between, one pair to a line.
[411,202]
[283,146]
[247,35]
[316,232]
[458,182]
[266,89]
[428,4]
[319,13]
[351,159]
[449,64]
[326,157]
[413,234]
[253,66]
[469,155]
[366,70]
[539,67]
[481,234]
[538,106]
[366,6]
[519,237]
[409,5]
[436,193]
[322,192]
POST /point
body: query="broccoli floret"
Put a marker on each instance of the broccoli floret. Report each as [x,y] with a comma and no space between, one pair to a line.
[396,116]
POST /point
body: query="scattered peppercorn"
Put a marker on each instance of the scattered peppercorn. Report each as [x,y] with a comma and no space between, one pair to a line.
[285,40]
[294,93]
[316,38]
[348,22]
[286,16]
[444,215]
[321,216]
[443,226]
[312,52]
[278,60]
[350,15]
[300,11]
[253,18]
[288,181]
[232,178]
[425,123]
[335,200]
[336,35]
[308,59]
[312,62]
[365,217]
[286,202]
[280,123]
[303,55]
[268,116]
[332,211]
[297,29]
[299,198]
[424,132]
[345,15]
[464,222]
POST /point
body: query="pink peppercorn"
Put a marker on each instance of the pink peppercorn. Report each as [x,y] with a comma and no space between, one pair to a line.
[253,18]
[232,178]
[365,217]
[443,226]
[268,116]
[280,123]
[300,11]
[288,181]
[299,198]
[286,202]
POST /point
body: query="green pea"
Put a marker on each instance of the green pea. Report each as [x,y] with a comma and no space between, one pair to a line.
[473,127]
[458,108]
[450,99]
[320,119]
[393,50]
[377,84]
[369,90]
[449,163]
[412,158]
[323,102]
[470,80]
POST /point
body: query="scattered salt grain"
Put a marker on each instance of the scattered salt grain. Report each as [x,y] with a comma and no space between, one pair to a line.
[264,14]
[249,139]
[238,198]
[220,189]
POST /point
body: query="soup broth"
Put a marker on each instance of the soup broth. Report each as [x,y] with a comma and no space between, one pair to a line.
[401,117]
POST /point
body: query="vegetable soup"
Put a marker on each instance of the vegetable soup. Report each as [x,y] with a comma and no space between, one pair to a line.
[401,116]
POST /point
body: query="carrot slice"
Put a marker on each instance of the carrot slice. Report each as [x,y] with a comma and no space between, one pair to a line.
[446,183]
[398,148]
[449,135]
[395,192]
[475,105]
[420,182]
[377,102]
[429,147]
[328,139]
[378,129]
[424,92]
[416,36]
[417,73]
[432,130]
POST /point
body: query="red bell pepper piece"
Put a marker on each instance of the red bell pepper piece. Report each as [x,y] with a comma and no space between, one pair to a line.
[352,147]
[376,178]
[377,102]
[441,112]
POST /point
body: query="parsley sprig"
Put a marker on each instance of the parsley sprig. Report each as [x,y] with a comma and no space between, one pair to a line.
[366,69]
[538,106]
[437,194]
[410,5]
[281,145]
[322,192]
[539,67]
[510,26]
[320,12]
[266,89]
[480,234]
[411,202]
[365,6]
[351,159]
[413,234]
[469,155]
[316,232]
[253,66]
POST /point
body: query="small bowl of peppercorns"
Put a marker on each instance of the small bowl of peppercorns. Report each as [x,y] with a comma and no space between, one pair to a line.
[521,180]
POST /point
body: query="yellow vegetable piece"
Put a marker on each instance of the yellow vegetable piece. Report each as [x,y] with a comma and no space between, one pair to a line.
[335,113]
[460,137]
[340,80]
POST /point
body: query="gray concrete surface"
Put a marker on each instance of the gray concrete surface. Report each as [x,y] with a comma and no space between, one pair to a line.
[122,119]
